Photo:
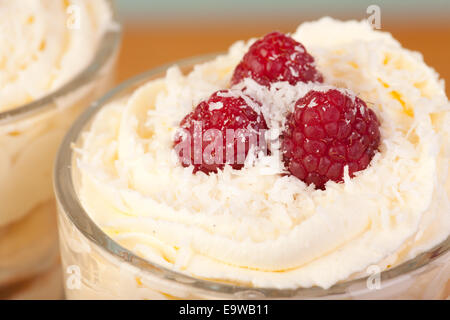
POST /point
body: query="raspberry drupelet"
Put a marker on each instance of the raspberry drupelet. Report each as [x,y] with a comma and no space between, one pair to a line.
[220,130]
[326,132]
[277,57]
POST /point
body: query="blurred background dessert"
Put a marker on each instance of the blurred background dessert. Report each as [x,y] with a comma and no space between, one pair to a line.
[56,57]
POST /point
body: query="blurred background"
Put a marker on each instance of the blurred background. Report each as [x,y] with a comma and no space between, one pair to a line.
[161,31]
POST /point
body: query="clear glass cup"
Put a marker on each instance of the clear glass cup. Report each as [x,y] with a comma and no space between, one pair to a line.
[29,138]
[97,267]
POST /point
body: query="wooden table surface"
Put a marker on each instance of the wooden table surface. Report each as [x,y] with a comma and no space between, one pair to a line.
[145,47]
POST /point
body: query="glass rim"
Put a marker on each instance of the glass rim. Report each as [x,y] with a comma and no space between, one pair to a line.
[68,201]
[107,47]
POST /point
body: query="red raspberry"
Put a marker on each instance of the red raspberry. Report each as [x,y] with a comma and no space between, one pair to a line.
[206,129]
[277,57]
[327,131]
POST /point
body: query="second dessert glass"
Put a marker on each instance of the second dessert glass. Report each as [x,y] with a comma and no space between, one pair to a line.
[29,138]
[97,267]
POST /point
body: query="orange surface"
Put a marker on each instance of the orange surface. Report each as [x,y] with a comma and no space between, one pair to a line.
[146,47]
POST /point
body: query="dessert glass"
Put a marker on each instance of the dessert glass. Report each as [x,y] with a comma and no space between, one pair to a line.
[97,267]
[29,137]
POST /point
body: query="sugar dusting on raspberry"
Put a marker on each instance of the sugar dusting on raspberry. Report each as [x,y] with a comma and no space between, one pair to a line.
[279,100]
[204,136]
[274,58]
[326,132]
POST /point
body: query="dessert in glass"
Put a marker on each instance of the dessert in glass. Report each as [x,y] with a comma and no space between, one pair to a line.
[344,195]
[56,58]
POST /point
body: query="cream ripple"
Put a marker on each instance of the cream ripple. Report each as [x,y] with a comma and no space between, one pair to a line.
[46,43]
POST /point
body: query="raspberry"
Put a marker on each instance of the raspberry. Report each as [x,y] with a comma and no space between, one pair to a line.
[206,132]
[327,131]
[277,57]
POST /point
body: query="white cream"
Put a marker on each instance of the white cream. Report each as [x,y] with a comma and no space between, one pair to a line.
[43,44]
[255,226]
